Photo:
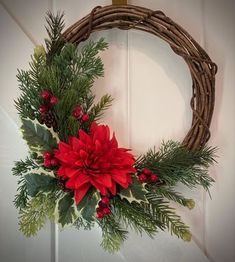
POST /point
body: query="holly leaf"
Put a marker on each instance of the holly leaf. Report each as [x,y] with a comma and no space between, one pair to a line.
[37,136]
[87,207]
[135,192]
[67,211]
[36,183]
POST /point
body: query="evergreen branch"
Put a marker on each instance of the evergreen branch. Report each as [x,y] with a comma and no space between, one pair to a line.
[21,198]
[33,217]
[112,233]
[21,167]
[175,163]
[82,223]
[164,213]
[55,43]
[36,67]
[88,65]
[67,124]
[30,85]
[168,192]
[97,110]
[133,216]
[192,177]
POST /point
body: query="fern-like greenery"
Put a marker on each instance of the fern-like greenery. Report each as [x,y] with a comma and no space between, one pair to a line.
[21,198]
[113,234]
[161,211]
[133,216]
[55,25]
[34,215]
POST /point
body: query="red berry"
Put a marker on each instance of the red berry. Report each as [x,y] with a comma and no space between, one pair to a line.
[77,112]
[43,109]
[142,178]
[47,163]
[45,94]
[147,171]
[99,213]
[54,162]
[154,178]
[85,118]
[107,211]
[105,200]
[46,155]
[54,100]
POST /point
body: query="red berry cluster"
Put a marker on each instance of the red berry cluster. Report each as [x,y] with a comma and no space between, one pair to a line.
[80,115]
[49,100]
[147,176]
[49,160]
[104,208]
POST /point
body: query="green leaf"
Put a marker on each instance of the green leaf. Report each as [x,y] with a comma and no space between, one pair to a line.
[37,136]
[135,192]
[36,183]
[66,208]
[87,206]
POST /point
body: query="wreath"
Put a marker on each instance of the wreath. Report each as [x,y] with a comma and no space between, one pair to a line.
[76,173]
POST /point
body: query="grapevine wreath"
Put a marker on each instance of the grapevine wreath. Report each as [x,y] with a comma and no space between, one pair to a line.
[76,173]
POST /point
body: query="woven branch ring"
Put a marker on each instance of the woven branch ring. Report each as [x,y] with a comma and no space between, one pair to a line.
[201,67]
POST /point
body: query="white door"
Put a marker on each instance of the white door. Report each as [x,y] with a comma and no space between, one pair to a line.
[152,89]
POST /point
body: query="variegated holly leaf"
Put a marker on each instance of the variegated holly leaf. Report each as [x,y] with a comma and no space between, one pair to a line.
[135,192]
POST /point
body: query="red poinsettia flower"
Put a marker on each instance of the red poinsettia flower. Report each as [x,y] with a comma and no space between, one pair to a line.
[94,160]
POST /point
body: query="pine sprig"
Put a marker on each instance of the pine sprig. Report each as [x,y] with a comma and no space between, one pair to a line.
[164,213]
[133,216]
[30,85]
[55,25]
[169,193]
[91,66]
[21,198]
[21,167]
[33,216]
[82,223]
[97,110]
[112,233]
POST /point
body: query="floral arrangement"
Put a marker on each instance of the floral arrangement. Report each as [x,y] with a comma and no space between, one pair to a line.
[76,173]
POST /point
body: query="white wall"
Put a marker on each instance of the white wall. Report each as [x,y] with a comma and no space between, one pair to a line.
[152,89]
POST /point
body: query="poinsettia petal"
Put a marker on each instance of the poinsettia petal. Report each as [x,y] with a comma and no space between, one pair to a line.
[81,192]
[68,157]
[75,143]
[113,188]
[69,172]
[81,179]
[83,154]
[100,187]
[121,180]
[98,146]
[71,183]
[104,179]
[63,147]
[61,171]
[84,137]
[113,141]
